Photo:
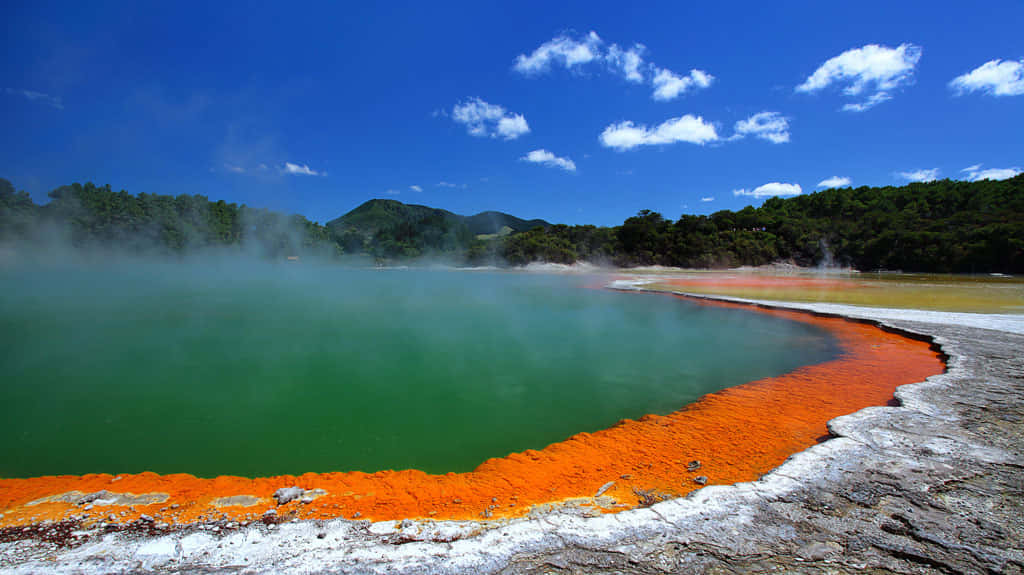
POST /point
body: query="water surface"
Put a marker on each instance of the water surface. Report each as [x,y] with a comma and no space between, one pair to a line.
[269,369]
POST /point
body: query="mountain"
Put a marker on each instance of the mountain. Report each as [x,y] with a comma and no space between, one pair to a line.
[486,223]
[375,215]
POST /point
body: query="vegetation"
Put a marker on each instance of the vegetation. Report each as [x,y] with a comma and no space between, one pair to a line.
[391,229]
[943,226]
[88,216]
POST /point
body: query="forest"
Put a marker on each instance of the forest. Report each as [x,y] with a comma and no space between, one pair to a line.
[940,226]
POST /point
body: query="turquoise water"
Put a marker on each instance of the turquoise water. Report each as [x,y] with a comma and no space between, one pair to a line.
[269,369]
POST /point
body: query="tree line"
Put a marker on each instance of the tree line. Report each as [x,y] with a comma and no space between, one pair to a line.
[941,226]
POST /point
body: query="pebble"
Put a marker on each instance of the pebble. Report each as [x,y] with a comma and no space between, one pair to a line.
[693,465]
[701,480]
[286,494]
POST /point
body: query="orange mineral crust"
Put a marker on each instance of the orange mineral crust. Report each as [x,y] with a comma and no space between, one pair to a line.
[736,434]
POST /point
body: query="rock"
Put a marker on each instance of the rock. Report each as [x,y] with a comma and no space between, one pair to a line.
[286,494]
[90,497]
[701,480]
[270,512]
[819,551]
[604,488]
[145,518]
[306,500]
[693,465]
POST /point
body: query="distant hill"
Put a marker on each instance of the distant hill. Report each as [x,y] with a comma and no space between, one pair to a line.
[487,223]
[375,215]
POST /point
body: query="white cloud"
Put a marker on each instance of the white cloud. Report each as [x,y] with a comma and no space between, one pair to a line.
[52,101]
[688,128]
[546,158]
[416,188]
[234,168]
[920,175]
[995,77]
[708,199]
[300,170]
[573,53]
[771,189]
[771,126]
[446,185]
[511,127]
[874,99]
[872,69]
[627,62]
[975,173]
[392,192]
[483,119]
[561,50]
[668,86]
[835,182]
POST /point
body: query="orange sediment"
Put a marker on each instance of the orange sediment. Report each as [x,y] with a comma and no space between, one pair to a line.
[737,435]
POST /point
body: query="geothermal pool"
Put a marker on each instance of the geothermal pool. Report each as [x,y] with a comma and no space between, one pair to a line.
[265,369]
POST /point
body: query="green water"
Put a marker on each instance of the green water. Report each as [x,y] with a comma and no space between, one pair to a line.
[270,369]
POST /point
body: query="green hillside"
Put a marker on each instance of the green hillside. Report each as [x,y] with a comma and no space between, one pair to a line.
[490,223]
[389,228]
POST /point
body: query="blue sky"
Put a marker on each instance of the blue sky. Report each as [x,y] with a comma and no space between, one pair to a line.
[573,112]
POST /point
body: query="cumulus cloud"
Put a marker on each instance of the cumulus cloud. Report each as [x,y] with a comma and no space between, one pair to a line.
[770,189]
[562,50]
[416,188]
[975,173]
[708,199]
[871,70]
[300,170]
[835,182]
[668,85]
[688,128]
[995,78]
[920,175]
[627,62]
[771,126]
[546,158]
[483,119]
[574,53]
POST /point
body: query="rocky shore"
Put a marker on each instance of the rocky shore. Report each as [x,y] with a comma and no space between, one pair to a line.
[935,484]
